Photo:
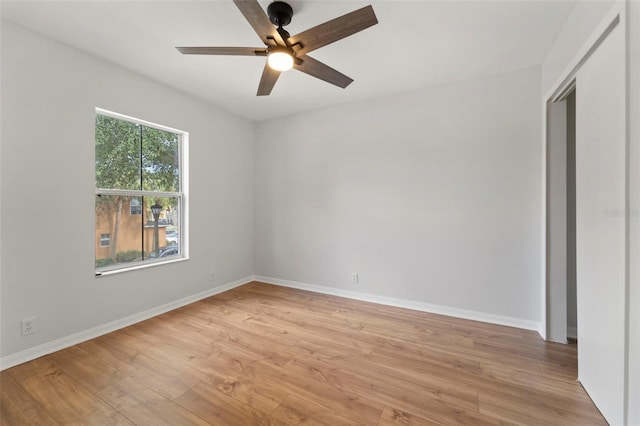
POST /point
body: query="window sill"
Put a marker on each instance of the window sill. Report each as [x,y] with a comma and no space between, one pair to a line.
[99,274]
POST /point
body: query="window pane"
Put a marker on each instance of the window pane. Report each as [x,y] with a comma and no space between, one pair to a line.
[160,160]
[125,229]
[168,229]
[123,238]
[134,163]
[117,153]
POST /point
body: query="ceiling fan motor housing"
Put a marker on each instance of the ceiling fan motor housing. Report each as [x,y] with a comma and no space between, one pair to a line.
[280,13]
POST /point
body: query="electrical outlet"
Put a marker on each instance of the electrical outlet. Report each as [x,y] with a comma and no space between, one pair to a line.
[354,278]
[212,276]
[28,326]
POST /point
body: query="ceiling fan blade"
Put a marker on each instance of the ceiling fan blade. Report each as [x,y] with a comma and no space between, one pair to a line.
[317,69]
[334,30]
[242,51]
[260,22]
[268,80]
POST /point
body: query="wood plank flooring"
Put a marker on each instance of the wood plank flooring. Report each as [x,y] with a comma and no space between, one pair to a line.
[266,355]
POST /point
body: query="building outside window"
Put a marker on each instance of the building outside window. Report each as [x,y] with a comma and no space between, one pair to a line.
[140,199]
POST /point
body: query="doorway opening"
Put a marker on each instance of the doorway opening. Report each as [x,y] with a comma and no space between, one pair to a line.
[562,314]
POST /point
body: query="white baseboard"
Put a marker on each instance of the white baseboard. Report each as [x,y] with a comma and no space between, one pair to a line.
[572,332]
[9,361]
[408,304]
[65,342]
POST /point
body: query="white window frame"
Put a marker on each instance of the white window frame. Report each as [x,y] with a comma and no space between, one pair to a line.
[182,196]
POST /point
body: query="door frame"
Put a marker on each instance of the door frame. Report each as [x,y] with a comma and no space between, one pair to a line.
[617,16]
[563,86]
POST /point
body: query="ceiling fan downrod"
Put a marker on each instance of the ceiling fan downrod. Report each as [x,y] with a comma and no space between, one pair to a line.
[280,14]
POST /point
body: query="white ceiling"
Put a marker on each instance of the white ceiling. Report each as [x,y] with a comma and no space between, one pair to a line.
[416,44]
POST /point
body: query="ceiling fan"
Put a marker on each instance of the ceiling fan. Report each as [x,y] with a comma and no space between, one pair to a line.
[284,51]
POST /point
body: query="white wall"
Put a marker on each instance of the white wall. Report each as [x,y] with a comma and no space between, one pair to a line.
[49,93]
[431,196]
[633,302]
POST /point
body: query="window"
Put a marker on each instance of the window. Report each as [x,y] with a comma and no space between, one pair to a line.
[105,240]
[135,207]
[139,170]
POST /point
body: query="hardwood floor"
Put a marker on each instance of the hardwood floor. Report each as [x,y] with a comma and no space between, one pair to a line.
[262,354]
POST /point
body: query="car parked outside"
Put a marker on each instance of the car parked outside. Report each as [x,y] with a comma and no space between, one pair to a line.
[165,251]
[172,236]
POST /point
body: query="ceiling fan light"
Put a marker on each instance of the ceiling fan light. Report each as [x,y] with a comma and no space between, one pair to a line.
[280,60]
